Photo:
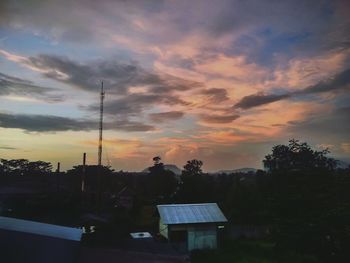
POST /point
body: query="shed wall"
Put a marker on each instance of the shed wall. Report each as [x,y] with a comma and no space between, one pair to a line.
[163,229]
[202,238]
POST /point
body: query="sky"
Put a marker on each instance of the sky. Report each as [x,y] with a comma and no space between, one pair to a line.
[219,81]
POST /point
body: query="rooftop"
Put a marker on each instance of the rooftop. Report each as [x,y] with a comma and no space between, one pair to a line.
[26,226]
[191,213]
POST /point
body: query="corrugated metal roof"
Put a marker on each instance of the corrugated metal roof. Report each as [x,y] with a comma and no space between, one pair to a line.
[191,213]
[37,228]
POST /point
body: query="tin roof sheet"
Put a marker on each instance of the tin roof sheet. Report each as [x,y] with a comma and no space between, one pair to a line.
[37,228]
[191,213]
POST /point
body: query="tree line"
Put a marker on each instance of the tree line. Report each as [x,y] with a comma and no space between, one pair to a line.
[24,167]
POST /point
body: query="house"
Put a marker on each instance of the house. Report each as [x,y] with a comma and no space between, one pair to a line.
[197,225]
[29,241]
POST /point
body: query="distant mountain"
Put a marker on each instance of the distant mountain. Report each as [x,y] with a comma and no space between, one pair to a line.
[171,167]
[241,170]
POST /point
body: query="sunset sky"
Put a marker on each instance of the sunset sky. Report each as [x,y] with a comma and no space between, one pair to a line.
[220,81]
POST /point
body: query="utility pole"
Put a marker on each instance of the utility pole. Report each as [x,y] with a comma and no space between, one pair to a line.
[58,176]
[100,168]
[102,96]
[83,175]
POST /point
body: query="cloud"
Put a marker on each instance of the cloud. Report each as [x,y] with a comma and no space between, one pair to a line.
[224,137]
[7,148]
[166,116]
[49,123]
[218,118]
[334,124]
[345,147]
[215,95]
[118,77]
[259,99]
[10,85]
[135,104]
[339,82]
[120,80]
[215,158]
[237,68]
[129,126]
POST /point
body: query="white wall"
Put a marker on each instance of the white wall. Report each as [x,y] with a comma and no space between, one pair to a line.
[202,238]
[163,229]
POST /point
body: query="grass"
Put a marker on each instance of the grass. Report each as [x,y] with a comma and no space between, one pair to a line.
[248,251]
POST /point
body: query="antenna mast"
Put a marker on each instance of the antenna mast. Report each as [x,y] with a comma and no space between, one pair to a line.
[102,96]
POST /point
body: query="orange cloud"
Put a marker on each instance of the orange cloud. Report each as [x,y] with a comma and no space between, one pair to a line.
[236,68]
[303,72]
[222,137]
[345,147]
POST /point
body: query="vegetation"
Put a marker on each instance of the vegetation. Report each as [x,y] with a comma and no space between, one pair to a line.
[249,251]
[161,184]
[24,167]
[298,156]
[302,198]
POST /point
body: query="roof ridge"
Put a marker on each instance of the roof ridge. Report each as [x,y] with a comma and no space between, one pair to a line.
[192,204]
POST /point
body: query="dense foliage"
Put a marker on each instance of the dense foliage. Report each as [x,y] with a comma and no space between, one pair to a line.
[24,167]
[308,201]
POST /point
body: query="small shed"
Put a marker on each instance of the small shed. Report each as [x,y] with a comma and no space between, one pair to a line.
[195,224]
[29,241]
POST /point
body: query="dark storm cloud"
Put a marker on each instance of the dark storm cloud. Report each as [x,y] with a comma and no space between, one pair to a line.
[44,123]
[58,20]
[218,118]
[49,123]
[258,100]
[10,85]
[166,116]
[118,77]
[333,124]
[276,15]
[73,21]
[337,83]
[135,104]
[77,21]
[215,95]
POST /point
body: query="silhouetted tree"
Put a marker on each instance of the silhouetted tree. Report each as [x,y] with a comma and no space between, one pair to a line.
[298,156]
[193,168]
[301,190]
[161,182]
[156,160]
[38,168]
[95,176]
[195,187]
[24,167]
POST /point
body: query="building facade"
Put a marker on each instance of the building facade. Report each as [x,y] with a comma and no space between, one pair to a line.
[196,225]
